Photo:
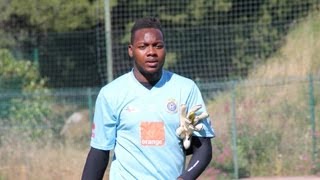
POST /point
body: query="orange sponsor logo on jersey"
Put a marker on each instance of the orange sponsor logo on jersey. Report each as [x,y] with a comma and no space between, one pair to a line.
[152,133]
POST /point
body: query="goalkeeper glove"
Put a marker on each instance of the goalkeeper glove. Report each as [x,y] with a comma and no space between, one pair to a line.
[189,123]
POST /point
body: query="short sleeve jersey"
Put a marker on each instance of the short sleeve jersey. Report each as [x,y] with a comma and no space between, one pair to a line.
[139,125]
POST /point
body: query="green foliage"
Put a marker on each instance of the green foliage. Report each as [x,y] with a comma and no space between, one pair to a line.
[255,149]
[49,15]
[240,34]
[18,74]
[223,160]
[24,103]
[22,21]
[75,66]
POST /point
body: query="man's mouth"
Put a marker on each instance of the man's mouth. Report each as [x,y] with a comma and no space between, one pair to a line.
[152,63]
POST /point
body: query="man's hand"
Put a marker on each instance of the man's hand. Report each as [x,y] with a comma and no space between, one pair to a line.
[189,123]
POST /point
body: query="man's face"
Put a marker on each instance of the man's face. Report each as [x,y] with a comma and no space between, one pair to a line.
[148,51]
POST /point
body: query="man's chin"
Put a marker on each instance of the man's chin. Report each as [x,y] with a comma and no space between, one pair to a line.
[152,70]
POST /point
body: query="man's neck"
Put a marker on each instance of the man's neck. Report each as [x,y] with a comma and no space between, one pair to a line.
[147,81]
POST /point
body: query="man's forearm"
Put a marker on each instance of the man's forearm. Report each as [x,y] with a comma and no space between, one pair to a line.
[202,155]
[96,164]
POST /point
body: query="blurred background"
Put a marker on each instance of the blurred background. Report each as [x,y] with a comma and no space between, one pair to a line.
[256,62]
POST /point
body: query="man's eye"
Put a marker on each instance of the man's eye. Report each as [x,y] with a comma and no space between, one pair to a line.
[159,46]
[141,47]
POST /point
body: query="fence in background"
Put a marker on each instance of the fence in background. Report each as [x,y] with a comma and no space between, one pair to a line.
[263,126]
[269,126]
[209,41]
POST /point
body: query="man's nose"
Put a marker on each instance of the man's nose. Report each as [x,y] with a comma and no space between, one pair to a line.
[151,50]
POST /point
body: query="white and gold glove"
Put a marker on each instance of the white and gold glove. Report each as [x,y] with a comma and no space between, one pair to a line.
[189,123]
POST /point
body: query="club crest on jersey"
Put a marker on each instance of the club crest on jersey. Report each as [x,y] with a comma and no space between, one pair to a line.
[171,106]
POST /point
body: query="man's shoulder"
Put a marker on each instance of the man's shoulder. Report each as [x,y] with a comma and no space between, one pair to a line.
[118,83]
[177,78]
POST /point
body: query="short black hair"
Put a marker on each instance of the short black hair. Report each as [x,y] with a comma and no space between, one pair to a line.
[145,22]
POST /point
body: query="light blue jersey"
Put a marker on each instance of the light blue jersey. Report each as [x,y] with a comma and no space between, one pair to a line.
[140,125]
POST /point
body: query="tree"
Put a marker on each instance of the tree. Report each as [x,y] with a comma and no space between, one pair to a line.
[23,102]
[20,20]
[225,38]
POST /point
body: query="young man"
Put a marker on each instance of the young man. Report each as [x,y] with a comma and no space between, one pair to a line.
[138,114]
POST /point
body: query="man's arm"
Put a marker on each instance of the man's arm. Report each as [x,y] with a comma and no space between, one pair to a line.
[96,164]
[202,154]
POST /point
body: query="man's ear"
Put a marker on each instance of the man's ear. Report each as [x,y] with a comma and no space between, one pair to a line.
[130,50]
